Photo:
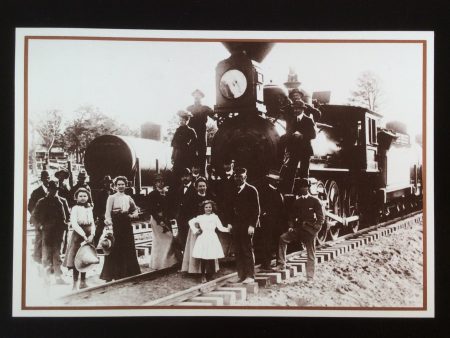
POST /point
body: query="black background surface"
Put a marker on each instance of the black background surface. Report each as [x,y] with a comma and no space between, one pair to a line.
[228,15]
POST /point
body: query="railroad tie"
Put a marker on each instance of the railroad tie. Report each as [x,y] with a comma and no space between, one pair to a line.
[229,297]
[240,292]
[293,270]
[275,277]
[215,301]
[263,281]
[300,266]
[249,287]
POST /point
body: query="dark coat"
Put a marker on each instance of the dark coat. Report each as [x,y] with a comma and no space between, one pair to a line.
[272,206]
[306,127]
[36,195]
[307,214]
[158,206]
[51,213]
[185,204]
[246,209]
[99,198]
[185,147]
[198,121]
[225,189]
[63,191]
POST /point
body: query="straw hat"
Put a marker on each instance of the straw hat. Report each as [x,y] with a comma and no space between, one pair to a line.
[86,258]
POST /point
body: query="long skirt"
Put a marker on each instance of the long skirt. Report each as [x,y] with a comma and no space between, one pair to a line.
[74,245]
[163,250]
[122,261]
[191,264]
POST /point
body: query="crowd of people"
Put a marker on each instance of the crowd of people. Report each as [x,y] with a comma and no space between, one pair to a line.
[196,203]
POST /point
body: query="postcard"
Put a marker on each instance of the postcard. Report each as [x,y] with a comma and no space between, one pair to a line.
[223,173]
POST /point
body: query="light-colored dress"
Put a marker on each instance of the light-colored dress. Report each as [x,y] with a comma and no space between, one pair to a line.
[207,245]
[163,252]
[80,216]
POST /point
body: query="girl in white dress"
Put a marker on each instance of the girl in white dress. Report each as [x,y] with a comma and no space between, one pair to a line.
[207,247]
[82,222]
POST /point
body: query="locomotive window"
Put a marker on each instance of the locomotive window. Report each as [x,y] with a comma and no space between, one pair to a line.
[371,131]
[233,84]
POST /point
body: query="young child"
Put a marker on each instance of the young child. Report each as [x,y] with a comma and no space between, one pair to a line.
[207,246]
[82,222]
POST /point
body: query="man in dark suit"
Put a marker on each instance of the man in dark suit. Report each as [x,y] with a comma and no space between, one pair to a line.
[185,206]
[51,215]
[198,123]
[244,220]
[36,195]
[271,220]
[184,145]
[301,120]
[305,221]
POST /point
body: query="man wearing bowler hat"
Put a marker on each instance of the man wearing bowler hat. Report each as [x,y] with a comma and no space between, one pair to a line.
[36,195]
[198,123]
[305,221]
[244,219]
[63,189]
[301,120]
[184,144]
[81,183]
[51,215]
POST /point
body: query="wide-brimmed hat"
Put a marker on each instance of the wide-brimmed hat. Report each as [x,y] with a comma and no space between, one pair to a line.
[44,174]
[198,92]
[63,173]
[106,244]
[186,172]
[86,258]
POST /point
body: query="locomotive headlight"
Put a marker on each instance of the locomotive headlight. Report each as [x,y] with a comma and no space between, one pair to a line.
[233,84]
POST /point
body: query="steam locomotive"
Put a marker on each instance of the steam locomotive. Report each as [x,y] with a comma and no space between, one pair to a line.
[360,170]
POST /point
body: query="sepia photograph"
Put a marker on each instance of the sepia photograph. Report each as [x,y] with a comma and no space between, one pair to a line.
[223,173]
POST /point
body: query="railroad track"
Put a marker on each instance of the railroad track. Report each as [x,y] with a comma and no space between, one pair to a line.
[224,291]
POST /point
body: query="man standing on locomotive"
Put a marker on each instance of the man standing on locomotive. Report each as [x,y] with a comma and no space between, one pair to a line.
[184,144]
[305,221]
[301,120]
[198,123]
[245,218]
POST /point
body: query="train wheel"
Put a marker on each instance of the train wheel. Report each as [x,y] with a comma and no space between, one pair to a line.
[335,206]
[322,195]
[352,209]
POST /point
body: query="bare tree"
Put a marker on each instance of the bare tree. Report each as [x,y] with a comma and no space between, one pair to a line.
[368,91]
[48,127]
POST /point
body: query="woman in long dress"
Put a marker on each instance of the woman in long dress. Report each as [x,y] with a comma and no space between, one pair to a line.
[120,209]
[207,247]
[191,264]
[163,253]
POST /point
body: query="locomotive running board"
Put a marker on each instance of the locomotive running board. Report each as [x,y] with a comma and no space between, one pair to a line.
[343,220]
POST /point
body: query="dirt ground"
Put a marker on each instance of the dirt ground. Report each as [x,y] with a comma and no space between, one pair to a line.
[384,273]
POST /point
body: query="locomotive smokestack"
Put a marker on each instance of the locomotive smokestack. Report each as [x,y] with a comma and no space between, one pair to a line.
[254,50]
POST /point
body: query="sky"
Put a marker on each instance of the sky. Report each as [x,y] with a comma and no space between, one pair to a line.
[137,82]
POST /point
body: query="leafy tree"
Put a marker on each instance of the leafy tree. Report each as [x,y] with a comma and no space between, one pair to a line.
[89,124]
[368,91]
[48,127]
